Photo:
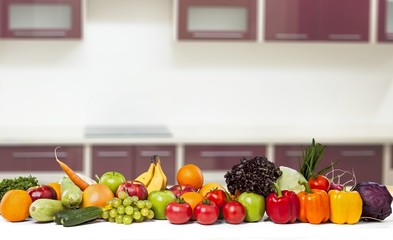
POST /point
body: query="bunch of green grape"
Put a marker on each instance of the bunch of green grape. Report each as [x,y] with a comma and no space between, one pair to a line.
[125,209]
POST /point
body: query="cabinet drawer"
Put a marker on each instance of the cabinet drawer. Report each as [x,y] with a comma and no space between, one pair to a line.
[220,157]
[113,158]
[365,160]
[40,158]
[167,156]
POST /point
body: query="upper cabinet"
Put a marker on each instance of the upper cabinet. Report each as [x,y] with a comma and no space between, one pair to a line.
[321,20]
[385,20]
[41,18]
[217,19]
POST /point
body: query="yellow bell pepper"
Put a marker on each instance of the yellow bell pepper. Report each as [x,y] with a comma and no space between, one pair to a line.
[345,207]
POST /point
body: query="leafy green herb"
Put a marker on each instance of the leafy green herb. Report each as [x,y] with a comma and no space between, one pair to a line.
[311,157]
[21,183]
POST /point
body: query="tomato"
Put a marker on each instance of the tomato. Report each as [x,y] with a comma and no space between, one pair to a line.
[178,212]
[234,212]
[319,182]
[218,197]
[206,212]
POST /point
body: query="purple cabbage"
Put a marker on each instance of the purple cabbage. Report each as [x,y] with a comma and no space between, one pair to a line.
[377,200]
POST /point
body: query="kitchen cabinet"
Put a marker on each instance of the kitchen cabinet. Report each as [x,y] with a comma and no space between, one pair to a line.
[317,20]
[385,20]
[132,160]
[217,19]
[220,157]
[167,156]
[291,20]
[41,19]
[39,158]
[364,160]
[113,158]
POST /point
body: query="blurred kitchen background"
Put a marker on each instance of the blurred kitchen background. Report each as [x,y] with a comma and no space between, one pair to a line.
[129,88]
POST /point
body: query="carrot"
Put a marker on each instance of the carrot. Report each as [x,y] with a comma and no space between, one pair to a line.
[72,174]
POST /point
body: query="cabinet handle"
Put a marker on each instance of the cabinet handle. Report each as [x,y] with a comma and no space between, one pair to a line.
[217,35]
[39,33]
[38,155]
[357,153]
[293,153]
[345,36]
[112,154]
[159,153]
[292,36]
[226,154]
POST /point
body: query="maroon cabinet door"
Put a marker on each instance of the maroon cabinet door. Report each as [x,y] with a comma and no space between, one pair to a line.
[41,18]
[202,19]
[113,158]
[220,157]
[291,20]
[385,21]
[167,156]
[364,160]
[343,20]
[40,158]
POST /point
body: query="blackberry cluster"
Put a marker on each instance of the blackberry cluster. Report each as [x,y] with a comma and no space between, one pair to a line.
[255,175]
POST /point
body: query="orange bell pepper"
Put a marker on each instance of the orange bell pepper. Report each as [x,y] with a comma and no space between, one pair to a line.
[345,207]
[314,206]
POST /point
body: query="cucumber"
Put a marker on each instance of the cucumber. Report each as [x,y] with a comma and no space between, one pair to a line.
[59,215]
[71,194]
[43,210]
[80,216]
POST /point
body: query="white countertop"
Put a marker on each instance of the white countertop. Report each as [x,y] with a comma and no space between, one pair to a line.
[162,229]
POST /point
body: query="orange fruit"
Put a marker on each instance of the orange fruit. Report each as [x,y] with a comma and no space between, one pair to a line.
[190,174]
[15,205]
[97,194]
[56,186]
[209,187]
[192,198]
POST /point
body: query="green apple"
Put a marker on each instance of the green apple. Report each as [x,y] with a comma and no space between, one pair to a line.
[112,180]
[254,205]
[160,199]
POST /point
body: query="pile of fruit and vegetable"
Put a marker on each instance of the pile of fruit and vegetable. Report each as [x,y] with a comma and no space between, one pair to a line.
[255,187]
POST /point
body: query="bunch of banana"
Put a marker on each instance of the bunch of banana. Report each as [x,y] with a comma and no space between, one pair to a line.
[154,178]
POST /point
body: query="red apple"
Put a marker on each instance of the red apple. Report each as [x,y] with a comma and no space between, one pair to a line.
[179,189]
[42,191]
[133,188]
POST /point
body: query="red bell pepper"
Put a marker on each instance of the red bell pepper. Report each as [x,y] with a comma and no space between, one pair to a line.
[282,206]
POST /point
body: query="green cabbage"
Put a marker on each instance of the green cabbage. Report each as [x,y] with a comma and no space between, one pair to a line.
[291,180]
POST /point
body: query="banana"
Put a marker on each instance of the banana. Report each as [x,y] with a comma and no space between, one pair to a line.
[157,181]
[146,177]
[164,183]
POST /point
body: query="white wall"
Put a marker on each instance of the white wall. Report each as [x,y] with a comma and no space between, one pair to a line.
[128,69]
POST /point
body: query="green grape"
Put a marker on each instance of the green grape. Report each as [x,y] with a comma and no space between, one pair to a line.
[111,219]
[119,219]
[113,213]
[127,219]
[135,199]
[136,215]
[105,214]
[151,214]
[141,219]
[116,202]
[127,201]
[136,209]
[122,195]
[148,204]
[109,202]
[121,209]
[129,210]
[140,204]
[144,212]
